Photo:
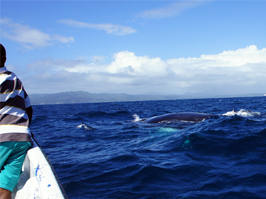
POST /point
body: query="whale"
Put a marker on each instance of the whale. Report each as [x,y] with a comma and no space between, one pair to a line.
[183,116]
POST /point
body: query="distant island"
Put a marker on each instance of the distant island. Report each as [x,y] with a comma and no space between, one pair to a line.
[86,97]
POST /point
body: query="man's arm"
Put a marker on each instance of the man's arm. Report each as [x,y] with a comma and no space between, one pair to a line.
[29,111]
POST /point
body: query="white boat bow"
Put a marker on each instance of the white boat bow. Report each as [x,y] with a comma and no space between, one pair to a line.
[38,179]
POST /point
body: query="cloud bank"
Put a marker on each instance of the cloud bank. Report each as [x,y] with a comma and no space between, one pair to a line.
[29,37]
[229,72]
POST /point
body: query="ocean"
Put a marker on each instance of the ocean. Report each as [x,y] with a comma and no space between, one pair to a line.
[105,150]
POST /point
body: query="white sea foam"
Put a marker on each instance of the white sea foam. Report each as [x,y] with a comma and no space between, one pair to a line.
[85,126]
[136,118]
[242,112]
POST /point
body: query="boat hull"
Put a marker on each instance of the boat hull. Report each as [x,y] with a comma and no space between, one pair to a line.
[38,178]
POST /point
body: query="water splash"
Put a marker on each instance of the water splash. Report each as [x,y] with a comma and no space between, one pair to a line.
[136,118]
[242,113]
[85,126]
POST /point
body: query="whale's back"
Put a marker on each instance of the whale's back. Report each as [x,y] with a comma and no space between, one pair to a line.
[185,116]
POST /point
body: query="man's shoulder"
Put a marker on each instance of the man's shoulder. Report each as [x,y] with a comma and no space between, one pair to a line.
[6,75]
[4,71]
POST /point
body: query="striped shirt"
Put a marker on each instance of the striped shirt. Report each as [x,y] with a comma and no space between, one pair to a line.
[14,100]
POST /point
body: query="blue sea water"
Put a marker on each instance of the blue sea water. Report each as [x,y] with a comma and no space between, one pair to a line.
[103,150]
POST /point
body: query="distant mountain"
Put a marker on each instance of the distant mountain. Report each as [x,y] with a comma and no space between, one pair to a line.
[86,97]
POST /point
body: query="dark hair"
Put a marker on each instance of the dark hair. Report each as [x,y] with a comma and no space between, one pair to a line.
[2,51]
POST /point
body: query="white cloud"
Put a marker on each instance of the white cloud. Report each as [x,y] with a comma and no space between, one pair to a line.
[108,28]
[241,59]
[128,63]
[235,71]
[242,56]
[170,10]
[29,37]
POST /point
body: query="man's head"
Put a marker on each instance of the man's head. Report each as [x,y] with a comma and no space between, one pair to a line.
[3,55]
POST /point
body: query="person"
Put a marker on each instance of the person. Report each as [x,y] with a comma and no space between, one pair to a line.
[15,136]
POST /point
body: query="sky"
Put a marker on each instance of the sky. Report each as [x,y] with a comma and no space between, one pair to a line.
[136,47]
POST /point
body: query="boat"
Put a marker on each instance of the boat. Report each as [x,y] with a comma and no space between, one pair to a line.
[38,179]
